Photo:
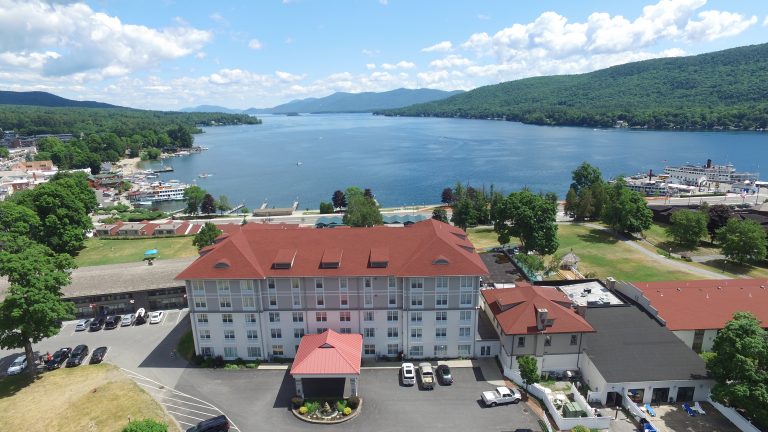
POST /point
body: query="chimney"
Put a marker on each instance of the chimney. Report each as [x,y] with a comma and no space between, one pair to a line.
[611,283]
[709,163]
[650,174]
[541,319]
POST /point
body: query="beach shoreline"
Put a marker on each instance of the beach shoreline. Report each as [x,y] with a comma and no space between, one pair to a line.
[129,166]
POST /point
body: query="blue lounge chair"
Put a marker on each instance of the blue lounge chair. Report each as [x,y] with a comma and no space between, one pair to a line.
[649,428]
[650,410]
[689,410]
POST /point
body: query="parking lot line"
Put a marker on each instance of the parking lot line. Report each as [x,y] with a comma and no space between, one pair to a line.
[196,418]
[191,410]
[188,403]
[178,317]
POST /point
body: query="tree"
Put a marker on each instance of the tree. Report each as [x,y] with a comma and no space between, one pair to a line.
[464,213]
[529,370]
[529,217]
[742,241]
[740,366]
[626,210]
[368,193]
[4,153]
[223,204]
[180,136]
[447,196]
[32,309]
[18,220]
[534,263]
[339,200]
[362,211]
[571,203]
[440,214]
[326,208]
[719,214]
[146,425]
[207,235]
[208,205]
[687,227]
[194,196]
[584,176]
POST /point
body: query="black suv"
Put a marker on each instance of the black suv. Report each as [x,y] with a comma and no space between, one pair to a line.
[97,324]
[112,322]
[58,358]
[78,355]
[215,424]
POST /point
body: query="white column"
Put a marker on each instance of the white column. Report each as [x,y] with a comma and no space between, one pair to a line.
[299,388]
[353,385]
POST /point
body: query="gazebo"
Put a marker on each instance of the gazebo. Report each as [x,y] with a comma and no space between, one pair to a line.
[325,361]
[570,261]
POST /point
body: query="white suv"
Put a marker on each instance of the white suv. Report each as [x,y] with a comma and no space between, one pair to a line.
[408,374]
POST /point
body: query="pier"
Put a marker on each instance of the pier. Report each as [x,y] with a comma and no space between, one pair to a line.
[265,211]
[235,209]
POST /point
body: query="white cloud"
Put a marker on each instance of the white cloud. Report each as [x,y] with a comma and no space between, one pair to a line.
[289,77]
[370,52]
[370,66]
[88,44]
[452,61]
[444,46]
[399,65]
[384,2]
[219,19]
[200,55]
[255,44]
[716,24]
[483,17]
[765,22]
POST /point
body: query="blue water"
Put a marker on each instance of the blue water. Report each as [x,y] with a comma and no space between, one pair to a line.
[407,161]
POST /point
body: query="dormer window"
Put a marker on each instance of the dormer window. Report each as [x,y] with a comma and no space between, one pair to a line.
[441,260]
[284,259]
[221,264]
[331,258]
[379,258]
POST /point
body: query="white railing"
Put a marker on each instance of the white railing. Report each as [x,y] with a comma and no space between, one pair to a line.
[632,407]
[737,419]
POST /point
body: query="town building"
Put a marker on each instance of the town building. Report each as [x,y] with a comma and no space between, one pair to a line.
[409,291]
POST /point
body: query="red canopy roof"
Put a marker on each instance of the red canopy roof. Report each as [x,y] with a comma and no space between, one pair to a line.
[328,353]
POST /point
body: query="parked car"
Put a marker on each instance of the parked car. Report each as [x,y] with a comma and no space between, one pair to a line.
[97,324]
[141,316]
[500,396]
[426,376]
[98,355]
[78,355]
[156,317]
[82,324]
[444,375]
[128,320]
[408,374]
[58,358]
[215,424]
[18,365]
[112,322]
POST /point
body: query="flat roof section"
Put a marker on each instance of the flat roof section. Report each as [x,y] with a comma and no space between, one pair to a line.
[630,346]
[500,270]
[590,294]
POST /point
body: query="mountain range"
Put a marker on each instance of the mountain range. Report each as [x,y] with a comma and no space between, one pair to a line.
[343,102]
[724,90]
[38,98]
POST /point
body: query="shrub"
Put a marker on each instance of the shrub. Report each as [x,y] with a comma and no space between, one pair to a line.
[297,401]
[347,411]
[340,405]
[231,366]
[197,359]
[353,402]
[303,410]
[208,362]
[251,365]
[580,428]
[312,407]
[146,425]
[239,361]
[218,361]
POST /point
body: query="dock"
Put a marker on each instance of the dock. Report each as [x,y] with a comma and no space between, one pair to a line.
[235,209]
[163,169]
[265,211]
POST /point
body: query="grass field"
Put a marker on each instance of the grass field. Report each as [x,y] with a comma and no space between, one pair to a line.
[483,237]
[101,252]
[657,235]
[602,254]
[86,398]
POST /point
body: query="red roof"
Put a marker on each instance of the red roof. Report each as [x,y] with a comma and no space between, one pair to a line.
[411,251]
[706,304]
[515,310]
[328,353]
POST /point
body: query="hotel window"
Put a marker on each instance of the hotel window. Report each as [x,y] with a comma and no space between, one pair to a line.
[547,340]
[229,335]
[416,317]
[467,282]
[416,333]
[205,334]
[416,351]
[277,350]
[441,283]
[298,333]
[441,316]
[296,297]
[206,351]
[392,293]
[367,282]
[368,316]
[345,330]
[465,332]
[295,283]
[441,300]
[321,316]
[392,332]
[274,317]
[369,332]
[276,333]
[252,334]
[226,318]
[225,302]
[521,342]
[441,350]
[249,303]
[272,294]
[367,296]
[441,333]
[319,293]
[369,349]
[345,316]
[250,319]
[393,350]
[574,339]
[222,286]
[465,315]
[392,316]
[198,287]
[230,352]
[246,286]
[202,319]
[298,317]
[464,350]
[343,293]
[321,330]
[200,303]
[254,352]
[417,283]
[466,299]
[417,299]
[271,283]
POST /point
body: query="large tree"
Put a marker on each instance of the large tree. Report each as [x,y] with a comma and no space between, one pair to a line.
[18,220]
[222,204]
[687,227]
[362,210]
[528,369]
[719,214]
[447,196]
[586,195]
[194,195]
[529,217]
[208,205]
[584,176]
[33,308]
[440,214]
[339,200]
[742,241]
[625,210]
[740,366]
[206,236]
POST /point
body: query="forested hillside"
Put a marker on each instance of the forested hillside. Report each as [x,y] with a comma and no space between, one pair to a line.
[38,98]
[721,90]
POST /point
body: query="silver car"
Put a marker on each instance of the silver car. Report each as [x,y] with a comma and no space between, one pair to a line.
[128,320]
[82,325]
[18,365]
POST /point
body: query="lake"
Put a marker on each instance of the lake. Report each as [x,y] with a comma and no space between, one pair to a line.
[408,161]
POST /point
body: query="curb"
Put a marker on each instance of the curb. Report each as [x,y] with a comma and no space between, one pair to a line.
[354,414]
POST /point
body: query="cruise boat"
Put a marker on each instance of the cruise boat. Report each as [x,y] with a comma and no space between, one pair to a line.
[699,175]
[160,191]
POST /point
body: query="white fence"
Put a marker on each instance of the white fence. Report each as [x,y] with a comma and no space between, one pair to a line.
[632,407]
[737,419]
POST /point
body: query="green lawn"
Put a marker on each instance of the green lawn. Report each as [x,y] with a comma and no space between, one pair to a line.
[657,235]
[602,254]
[186,346]
[484,237]
[101,252]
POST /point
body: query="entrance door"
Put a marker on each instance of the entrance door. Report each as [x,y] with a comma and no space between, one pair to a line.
[612,399]
[685,394]
[485,351]
[660,395]
[698,341]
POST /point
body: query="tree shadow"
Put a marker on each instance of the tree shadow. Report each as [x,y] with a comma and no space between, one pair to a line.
[596,236]
[164,354]
[729,266]
[11,385]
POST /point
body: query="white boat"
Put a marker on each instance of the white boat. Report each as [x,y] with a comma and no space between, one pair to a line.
[204,175]
[160,191]
[299,163]
[698,175]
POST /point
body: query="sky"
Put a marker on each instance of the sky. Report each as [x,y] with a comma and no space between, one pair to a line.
[170,54]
